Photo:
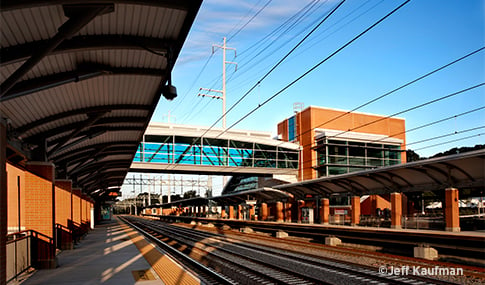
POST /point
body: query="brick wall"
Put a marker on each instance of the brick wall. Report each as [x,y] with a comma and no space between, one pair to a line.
[13,174]
[38,198]
[76,206]
[63,202]
[84,209]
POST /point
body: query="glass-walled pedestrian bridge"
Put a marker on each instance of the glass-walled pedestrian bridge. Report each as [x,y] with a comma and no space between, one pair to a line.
[182,149]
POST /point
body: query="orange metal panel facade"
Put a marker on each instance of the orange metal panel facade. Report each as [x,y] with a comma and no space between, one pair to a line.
[312,118]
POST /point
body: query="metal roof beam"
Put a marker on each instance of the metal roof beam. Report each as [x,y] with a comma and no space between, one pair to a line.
[22,129]
[85,138]
[97,129]
[87,155]
[83,73]
[21,52]
[7,5]
[92,118]
[96,165]
[452,166]
[71,155]
[79,16]
[98,124]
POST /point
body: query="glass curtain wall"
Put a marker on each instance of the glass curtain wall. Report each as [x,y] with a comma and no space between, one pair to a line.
[344,156]
[214,152]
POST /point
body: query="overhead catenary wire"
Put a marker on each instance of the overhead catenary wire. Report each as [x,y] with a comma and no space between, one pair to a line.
[243,17]
[274,67]
[281,60]
[431,123]
[412,108]
[307,10]
[189,90]
[314,67]
[425,147]
[452,141]
[417,128]
[445,135]
[397,89]
[301,76]
[250,20]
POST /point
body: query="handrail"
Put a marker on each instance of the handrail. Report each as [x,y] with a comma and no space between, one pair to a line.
[62,227]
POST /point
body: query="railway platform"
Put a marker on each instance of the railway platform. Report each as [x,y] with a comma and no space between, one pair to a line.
[112,253]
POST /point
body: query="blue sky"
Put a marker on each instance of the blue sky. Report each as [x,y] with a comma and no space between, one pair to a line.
[420,37]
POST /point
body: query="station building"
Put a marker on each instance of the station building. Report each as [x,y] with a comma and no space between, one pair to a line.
[336,142]
[332,142]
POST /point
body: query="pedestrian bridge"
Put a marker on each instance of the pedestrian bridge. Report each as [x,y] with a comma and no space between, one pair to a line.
[173,148]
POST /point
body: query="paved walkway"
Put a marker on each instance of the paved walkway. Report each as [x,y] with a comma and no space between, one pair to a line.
[110,254]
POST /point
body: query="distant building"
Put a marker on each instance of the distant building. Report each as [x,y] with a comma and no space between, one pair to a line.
[337,142]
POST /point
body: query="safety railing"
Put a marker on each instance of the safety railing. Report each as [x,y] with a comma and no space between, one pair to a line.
[28,249]
[64,237]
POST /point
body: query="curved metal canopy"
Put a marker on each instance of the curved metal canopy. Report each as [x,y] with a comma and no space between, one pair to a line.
[464,170]
[80,80]
[261,194]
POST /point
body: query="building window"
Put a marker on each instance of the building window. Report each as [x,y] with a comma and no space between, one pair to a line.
[344,156]
[291,129]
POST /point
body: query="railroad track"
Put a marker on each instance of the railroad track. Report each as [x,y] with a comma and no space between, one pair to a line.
[400,243]
[257,264]
[293,245]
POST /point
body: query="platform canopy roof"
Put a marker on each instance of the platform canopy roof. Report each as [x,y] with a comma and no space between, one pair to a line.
[80,80]
[464,170]
[261,194]
[194,201]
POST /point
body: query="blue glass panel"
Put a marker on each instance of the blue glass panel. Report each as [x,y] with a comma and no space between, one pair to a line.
[291,128]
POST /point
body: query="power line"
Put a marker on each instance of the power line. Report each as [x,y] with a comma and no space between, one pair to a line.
[243,17]
[452,141]
[193,82]
[433,123]
[446,135]
[416,128]
[250,20]
[412,108]
[308,11]
[397,89]
[317,65]
[275,66]
[429,146]
[265,38]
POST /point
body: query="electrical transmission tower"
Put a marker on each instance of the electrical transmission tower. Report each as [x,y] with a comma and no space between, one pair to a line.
[223,91]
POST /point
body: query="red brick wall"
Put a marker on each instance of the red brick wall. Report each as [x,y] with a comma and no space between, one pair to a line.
[38,198]
[76,206]
[63,202]
[13,173]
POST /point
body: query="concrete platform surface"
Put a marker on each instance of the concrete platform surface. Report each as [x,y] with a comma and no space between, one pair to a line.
[106,255]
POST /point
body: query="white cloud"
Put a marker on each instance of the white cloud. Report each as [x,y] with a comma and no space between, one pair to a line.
[218,18]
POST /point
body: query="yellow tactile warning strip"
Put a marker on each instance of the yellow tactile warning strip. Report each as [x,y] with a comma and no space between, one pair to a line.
[167,270]
[143,275]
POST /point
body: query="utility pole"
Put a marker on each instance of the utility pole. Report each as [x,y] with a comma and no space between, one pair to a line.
[168,116]
[223,91]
